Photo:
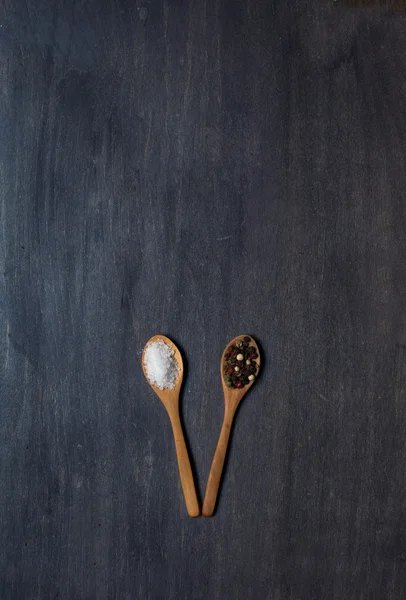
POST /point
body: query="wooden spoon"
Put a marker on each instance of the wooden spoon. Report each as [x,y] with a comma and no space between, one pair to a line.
[232,398]
[170,399]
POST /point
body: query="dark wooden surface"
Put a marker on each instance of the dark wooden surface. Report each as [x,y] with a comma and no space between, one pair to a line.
[202,169]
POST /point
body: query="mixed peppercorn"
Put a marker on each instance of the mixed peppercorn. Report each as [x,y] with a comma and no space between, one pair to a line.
[240,366]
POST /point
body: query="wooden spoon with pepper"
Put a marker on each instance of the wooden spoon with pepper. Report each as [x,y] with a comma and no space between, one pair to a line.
[239,368]
[170,399]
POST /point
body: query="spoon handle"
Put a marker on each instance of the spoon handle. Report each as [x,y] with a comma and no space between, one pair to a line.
[185,470]
[217,465]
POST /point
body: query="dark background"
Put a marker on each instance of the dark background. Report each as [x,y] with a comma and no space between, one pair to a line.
[202,169]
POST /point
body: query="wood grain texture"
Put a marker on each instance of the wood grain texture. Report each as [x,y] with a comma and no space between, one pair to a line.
[199,169]
[397,5]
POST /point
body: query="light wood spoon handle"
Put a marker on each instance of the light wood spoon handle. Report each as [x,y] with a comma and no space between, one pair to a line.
[213,483]
[185,470]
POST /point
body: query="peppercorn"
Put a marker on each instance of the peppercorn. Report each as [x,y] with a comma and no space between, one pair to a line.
[239,363]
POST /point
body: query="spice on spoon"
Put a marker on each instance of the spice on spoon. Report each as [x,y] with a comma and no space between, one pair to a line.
[240,367]
[161,365]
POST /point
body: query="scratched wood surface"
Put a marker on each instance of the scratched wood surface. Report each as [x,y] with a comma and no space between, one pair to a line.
[202,169]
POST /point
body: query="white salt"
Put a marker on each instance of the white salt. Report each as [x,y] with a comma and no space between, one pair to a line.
[161,365]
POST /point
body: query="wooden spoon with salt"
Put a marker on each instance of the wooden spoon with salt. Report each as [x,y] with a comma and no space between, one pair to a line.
[170,399]
[232,398]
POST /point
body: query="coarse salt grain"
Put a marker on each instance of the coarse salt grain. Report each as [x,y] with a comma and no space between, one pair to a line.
[161,365]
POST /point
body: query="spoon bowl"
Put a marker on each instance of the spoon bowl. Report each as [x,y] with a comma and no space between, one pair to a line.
[170,399]
[232,399]
[235,395]
[168,396]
